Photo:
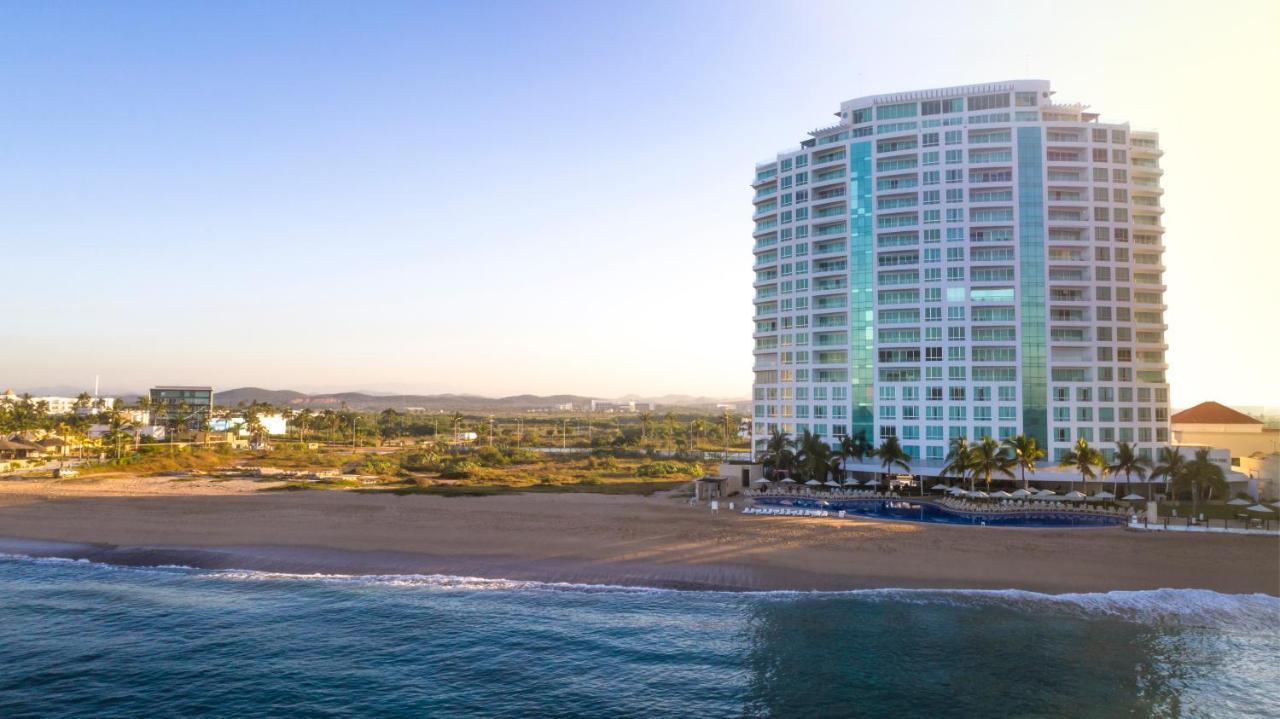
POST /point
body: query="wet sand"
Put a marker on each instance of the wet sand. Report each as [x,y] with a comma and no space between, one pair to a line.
[599,539]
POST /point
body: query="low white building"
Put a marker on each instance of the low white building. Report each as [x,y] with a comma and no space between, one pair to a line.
[274,424]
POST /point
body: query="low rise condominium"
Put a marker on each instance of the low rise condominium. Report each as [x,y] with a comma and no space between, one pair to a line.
[962,262]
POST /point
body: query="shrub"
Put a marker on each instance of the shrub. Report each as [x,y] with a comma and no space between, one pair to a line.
[667,469]
[459,469]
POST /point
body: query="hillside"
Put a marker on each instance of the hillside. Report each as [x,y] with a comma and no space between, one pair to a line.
[460,402]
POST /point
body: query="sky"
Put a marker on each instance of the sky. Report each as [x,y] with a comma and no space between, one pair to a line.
[499,198]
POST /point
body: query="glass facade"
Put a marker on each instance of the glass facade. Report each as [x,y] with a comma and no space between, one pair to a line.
[861,284]
[1035,392]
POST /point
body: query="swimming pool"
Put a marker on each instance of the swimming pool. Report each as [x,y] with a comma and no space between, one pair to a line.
[915,511]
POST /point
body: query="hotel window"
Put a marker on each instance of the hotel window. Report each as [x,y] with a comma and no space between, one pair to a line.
[954,176]
[1099,135]
[956,373]
[1008,414]
[931,197]
[1008,394]
[933,413]
[988,102]
[802,178]
[955,194]
[954,137]
[981,394]
[929,158]
[929,139]
[956,413]
[955,157]
[802,161]
[785,166]
[1099,154]
[930,177]
[1119,175]
[802,195]
[1024,99]
[933,454]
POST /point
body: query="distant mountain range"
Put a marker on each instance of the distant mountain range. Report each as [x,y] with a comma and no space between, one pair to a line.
[448,402]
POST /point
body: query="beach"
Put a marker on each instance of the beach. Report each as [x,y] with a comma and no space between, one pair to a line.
[653,541]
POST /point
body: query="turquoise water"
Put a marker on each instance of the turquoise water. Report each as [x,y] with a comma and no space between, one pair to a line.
[82,639]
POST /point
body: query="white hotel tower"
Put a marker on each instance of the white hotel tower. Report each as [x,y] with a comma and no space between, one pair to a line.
[968,261]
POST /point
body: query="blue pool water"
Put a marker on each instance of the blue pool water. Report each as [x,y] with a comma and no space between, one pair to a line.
[87,640]
[906,509]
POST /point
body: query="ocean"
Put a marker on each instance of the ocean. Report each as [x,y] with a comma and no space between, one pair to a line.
[79,639]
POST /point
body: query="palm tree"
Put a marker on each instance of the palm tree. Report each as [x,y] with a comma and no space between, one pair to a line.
[813,456]
[727,422]
[958,460]
[855,447]
[1130,463]
[891,455]
[778,451]
[646,421]
[1083,459]
[1025,452]
[1201,474]
[1170,464]
[987,458]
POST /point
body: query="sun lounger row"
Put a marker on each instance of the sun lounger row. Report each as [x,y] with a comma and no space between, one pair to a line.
[964,505]
[787,512]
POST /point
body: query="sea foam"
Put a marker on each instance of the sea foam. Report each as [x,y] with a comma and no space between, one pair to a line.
[1259,613]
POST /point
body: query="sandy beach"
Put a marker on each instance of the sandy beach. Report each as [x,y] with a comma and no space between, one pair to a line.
[589,538]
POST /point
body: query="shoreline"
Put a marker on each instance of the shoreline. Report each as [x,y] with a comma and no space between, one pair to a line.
[599,539]
[326,562]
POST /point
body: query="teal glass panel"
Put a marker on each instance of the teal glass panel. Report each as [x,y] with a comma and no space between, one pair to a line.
[1035,392]
[861,291]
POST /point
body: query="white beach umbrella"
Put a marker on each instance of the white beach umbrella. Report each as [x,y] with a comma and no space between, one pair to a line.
[1031,490]
[978,494]
[1239,502]
[1260,508]
[851,482]
[831,483]
[1020,493]
[1103,495]
[956,491]
[1045,493]
[762,480]
[940,485]
[1001,494]
[813,483]
[1073,496]
[1133,497]
[788,480]
[873,483]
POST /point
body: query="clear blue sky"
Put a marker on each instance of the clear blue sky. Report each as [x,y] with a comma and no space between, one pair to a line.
[509,197]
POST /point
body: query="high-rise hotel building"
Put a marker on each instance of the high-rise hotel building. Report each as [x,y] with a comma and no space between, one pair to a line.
[967,261]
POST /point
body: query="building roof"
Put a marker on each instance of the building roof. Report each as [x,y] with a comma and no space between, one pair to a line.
[1212,413]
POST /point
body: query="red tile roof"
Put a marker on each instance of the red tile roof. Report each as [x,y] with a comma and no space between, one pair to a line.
[1212,413]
